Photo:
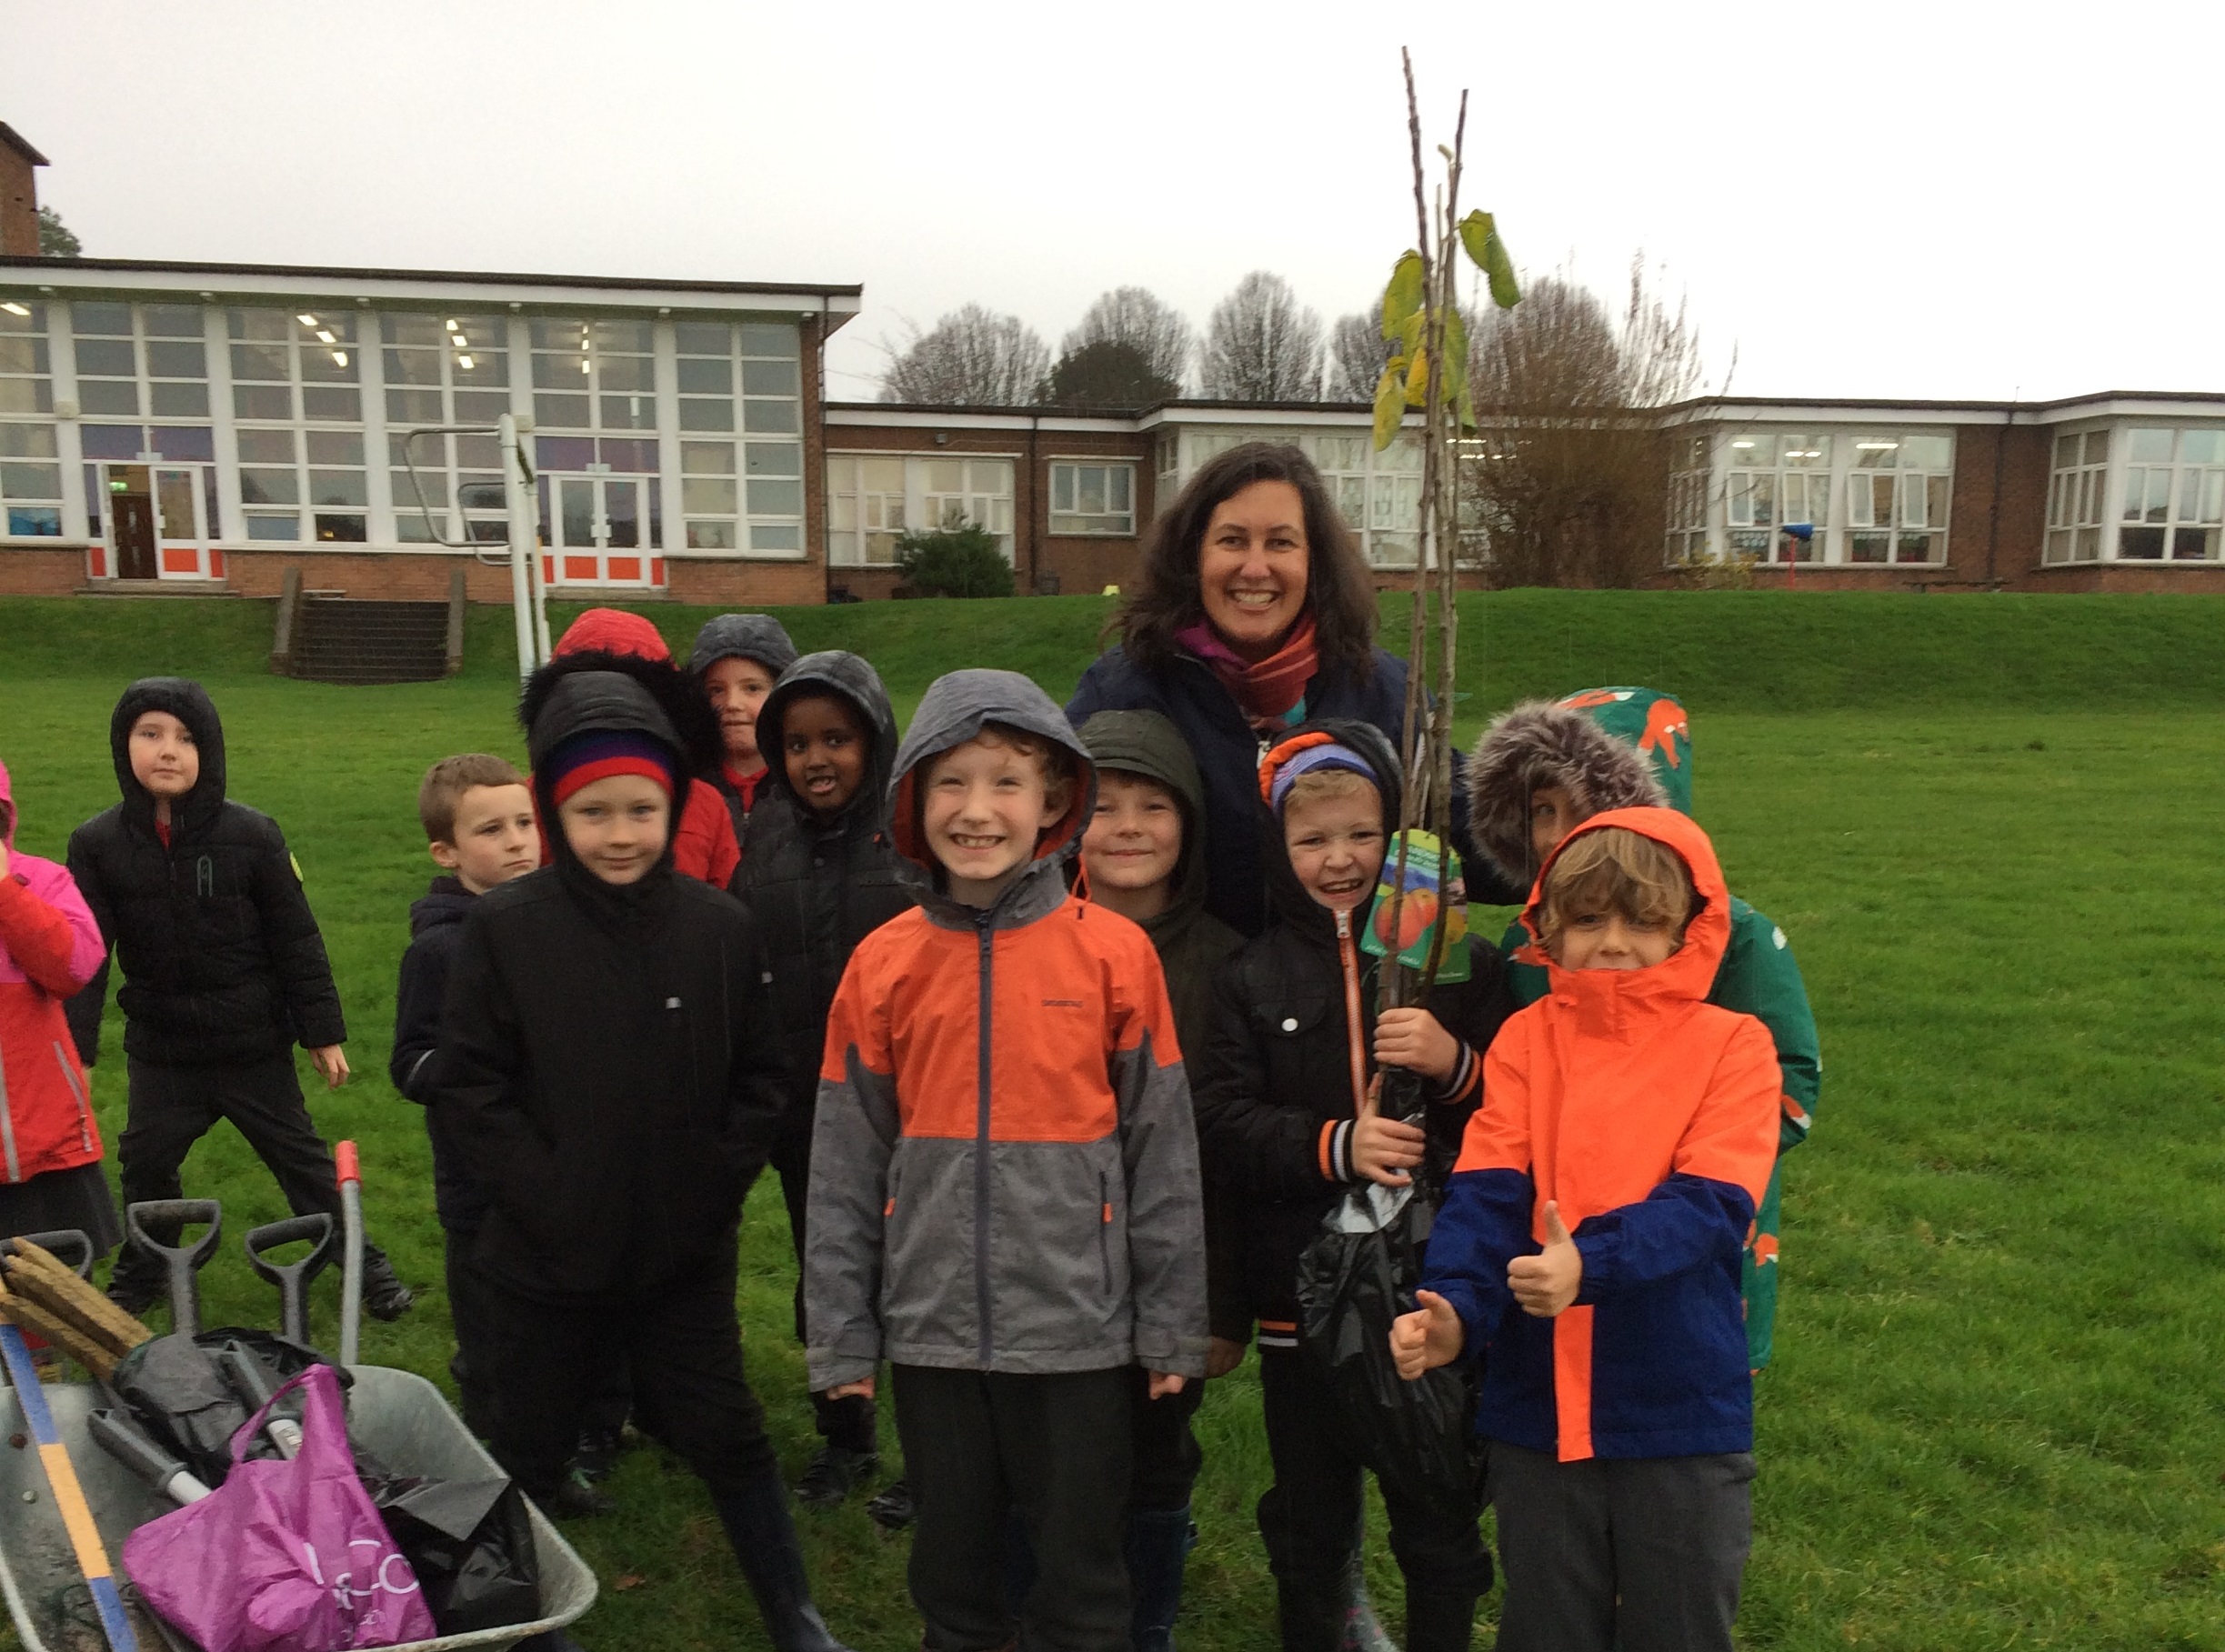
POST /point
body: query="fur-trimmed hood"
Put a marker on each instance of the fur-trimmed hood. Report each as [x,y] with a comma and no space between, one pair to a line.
[679,696]
[1542,743]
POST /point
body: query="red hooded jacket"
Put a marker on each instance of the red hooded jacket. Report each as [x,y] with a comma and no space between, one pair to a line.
[49,948]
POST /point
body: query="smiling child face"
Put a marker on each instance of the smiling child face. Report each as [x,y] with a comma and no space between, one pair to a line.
[823,748]
[1336,844]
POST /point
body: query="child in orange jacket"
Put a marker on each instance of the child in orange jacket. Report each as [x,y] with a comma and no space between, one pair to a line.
[1590,1242]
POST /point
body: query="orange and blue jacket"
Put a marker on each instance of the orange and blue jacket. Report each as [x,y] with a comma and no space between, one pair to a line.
[1650,1115]
[50,947]
[1003,1169]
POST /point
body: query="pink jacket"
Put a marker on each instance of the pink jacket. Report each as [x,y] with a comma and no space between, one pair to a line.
[49,948]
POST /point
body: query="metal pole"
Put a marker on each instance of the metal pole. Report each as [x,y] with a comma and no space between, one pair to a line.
[517,505]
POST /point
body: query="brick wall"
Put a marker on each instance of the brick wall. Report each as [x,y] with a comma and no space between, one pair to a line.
[744,583]
[18,203]
[42,572]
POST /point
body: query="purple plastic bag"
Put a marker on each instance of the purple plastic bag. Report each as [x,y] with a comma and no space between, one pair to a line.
[284,1555]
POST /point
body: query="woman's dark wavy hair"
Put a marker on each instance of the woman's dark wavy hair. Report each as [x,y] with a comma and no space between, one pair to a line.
[1339,588]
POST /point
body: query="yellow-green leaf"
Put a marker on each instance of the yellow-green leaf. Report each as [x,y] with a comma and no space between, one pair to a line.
[1402,298]
[1389,408]
[1467,404]
[1456,353]
[1418,380]
[1480,235]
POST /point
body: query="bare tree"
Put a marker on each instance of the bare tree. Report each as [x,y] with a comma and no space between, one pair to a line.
[1357,351]
[1140,320]
[1567,485]
[970,357]
[1262,345]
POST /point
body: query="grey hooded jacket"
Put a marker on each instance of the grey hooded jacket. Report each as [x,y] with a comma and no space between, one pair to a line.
[1004,1170]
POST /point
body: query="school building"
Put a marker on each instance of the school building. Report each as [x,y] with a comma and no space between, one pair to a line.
[185,426]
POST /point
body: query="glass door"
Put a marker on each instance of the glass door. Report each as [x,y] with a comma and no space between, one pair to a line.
[181,534]
[594,528]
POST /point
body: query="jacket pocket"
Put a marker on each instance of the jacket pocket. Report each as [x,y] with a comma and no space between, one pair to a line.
[76,1090]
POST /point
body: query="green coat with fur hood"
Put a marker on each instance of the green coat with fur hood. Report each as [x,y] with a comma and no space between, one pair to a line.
[1612,748]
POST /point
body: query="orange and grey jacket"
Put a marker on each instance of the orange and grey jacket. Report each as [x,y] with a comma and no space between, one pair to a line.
[1650,1115]
[1004,1171]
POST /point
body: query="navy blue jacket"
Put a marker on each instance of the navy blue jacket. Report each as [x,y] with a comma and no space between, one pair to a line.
[1227,749]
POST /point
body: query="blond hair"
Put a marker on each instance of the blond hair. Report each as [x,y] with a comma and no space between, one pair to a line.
[1319,785]
[1614,869]
[446,783]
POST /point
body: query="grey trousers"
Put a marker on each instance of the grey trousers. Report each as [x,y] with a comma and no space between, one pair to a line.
[1621,1555]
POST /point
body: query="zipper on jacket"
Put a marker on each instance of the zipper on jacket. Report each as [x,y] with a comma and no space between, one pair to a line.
[1348,956]
[1105,1228]
[7,1129]
[85,1114]
[984,929]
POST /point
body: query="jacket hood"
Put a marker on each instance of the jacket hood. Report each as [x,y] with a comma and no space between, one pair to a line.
[1287,897]
[1540,743]
[447,902]
[1654,725]
[612,631]
[1687,975]
[850,679]
[951,713]
[749,636]
[587,701]
[691,727]
[1147,743]
[188,702]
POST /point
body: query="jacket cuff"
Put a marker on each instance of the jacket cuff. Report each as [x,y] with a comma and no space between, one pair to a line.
[830,1369]
[1466,1075]
[1599,1252]
[1334,1150]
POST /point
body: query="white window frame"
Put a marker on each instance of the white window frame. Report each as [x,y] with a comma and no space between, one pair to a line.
[845,495]
[2208,508]
[19,482]
[305,326]
[1119,523]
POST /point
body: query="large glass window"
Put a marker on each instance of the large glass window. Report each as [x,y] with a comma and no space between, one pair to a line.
[2174,494]
[1688,481]
[872,498]
[2075,490]
[741,379]
[446,370]
[594,375]
[1092,498]
[302,464]
[1776,480]
[1898,488]
[30,478]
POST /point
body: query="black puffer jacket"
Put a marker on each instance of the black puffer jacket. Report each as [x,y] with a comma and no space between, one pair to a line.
[609,1062]
[1276,1068]
[818,888]
[221,955]
[436,929]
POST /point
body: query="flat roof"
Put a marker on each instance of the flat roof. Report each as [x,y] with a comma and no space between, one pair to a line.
[837,301]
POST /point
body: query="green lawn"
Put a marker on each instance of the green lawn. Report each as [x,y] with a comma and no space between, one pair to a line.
[1988,830]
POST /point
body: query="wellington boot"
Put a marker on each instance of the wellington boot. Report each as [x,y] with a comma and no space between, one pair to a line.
[757,1523]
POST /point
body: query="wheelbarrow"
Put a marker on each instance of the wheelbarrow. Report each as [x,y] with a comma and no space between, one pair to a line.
[396,1416]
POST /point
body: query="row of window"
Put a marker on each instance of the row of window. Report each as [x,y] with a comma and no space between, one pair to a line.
[297,379]
[2170,503]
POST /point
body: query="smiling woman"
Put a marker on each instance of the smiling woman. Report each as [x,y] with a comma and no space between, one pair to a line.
[1256,611]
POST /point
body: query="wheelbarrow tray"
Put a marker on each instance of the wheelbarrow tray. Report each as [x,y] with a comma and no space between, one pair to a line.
[398,1416]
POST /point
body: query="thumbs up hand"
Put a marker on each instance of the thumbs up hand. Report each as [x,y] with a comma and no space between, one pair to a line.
[1430,1337]
[1547,1282]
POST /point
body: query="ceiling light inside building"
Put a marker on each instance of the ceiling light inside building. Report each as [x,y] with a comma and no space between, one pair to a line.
[324,335]
[463,361]
[306,321]
[339,357]
[452,324]
[1875,446]
[12,308]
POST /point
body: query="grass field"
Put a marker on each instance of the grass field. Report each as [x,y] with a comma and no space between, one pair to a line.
[1989,825]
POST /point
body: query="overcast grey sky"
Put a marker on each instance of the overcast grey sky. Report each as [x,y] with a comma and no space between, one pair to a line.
[1877,199]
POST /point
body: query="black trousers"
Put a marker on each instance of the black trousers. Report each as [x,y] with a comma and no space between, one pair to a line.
[981,1445]
[1309,1515]
[1167,1454]
[473,1320]
[682,1348]
[171,1107]
[851,1424]
[1621,1555]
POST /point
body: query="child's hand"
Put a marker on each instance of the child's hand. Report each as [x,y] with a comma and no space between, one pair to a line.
[330,1062]
[1415,1040]
[1384,1149]
[1222,1355]
[1164,1383]
[1430,1337]
[860,1389]
[1547,1282]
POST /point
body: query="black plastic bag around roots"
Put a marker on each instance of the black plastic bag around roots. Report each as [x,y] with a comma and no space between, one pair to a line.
[470,1542]
[1356,1276]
